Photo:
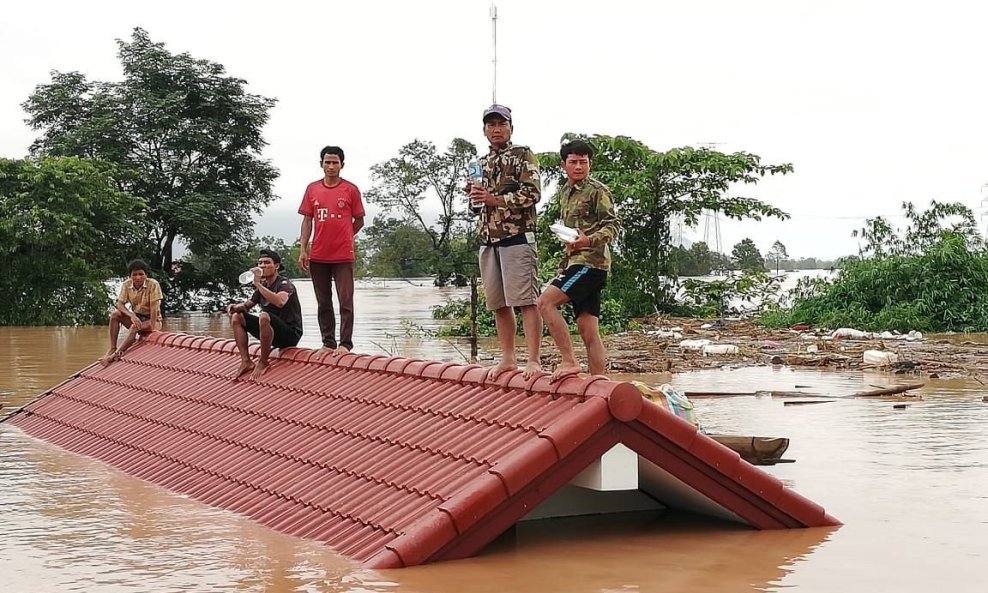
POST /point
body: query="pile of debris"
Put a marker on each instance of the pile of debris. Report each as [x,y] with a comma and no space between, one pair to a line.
[677,344]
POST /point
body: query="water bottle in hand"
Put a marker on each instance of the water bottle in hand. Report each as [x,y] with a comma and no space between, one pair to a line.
[476,172]
[476,178]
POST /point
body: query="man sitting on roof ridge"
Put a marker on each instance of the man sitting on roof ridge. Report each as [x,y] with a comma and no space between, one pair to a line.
[279,324]
[143,294]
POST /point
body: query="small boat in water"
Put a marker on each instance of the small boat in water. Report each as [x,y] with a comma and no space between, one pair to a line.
[756,450]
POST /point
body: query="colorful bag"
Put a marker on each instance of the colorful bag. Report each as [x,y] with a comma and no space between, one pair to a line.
[666,396]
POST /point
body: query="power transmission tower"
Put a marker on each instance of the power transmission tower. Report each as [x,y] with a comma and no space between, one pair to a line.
[712,219]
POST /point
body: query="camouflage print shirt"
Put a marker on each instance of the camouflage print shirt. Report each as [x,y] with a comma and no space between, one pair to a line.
[588,206]
[512,176]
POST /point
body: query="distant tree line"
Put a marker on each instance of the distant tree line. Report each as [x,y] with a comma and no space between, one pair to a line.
[699,260]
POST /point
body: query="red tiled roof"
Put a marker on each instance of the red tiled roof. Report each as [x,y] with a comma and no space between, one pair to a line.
[392,462]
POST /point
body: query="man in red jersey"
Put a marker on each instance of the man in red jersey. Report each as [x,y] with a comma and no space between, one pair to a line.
[332,213]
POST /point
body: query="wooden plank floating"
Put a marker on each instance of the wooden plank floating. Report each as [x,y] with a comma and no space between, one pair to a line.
[785,394]
[889,390]
[699,394]
[781,394]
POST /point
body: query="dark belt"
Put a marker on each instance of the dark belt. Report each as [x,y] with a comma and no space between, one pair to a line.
[519,239]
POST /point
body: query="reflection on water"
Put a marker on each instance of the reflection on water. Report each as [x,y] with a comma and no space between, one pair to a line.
[911,486]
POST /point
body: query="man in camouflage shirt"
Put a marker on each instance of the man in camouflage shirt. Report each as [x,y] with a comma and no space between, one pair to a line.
[505,205]
[585,204]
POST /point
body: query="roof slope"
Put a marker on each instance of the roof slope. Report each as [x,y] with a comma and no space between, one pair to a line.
[393,462]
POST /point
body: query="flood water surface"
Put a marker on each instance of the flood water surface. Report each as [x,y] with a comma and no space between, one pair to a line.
[910,485]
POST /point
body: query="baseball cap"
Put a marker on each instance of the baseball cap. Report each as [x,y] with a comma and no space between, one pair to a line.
[274,257]
[499,110]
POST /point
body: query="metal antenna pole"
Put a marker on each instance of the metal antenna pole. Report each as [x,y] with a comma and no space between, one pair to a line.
[494,44]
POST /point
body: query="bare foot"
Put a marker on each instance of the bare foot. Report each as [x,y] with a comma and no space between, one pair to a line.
[531,368]
[341,351]
[246,366]
[259,369]
[327,351]
[563,371]
[109,357]
[502,367]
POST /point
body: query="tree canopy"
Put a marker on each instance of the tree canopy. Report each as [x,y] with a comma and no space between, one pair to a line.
[399,249]
[699,260]
[60,219]
[746,257]
[931,275]
[402,187]
[650,187]
[777,254]
[182,135]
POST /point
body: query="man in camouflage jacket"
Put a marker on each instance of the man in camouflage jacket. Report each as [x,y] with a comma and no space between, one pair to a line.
[585,205]
[505,205]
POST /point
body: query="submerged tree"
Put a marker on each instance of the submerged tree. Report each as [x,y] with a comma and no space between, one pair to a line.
[776,254]
[399,249]
[184,137]
[746,257]
[60,221]
[650,187]
[698,260]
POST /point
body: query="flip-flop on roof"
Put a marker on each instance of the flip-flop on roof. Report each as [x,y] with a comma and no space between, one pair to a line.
[392,462]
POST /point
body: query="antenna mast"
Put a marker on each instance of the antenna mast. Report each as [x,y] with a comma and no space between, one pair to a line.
[494,44]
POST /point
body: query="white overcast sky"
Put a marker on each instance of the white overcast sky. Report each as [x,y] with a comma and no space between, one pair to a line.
[873,102]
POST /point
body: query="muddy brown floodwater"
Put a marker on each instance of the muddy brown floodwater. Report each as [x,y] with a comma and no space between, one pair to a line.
[910,485]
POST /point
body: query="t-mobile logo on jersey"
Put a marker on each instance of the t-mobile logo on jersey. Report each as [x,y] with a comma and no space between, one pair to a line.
[321,214]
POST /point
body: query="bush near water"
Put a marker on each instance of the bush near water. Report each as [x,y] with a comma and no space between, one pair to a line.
[931,276]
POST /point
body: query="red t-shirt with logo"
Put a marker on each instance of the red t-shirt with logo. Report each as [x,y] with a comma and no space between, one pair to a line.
[332,210]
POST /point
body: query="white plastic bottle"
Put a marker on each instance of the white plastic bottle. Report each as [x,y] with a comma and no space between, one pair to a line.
[475,172]
[475,176]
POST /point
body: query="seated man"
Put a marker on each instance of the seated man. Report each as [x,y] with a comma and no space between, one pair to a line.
[279,324]
[143,294]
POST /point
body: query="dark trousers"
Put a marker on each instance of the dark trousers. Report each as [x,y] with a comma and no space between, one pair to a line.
[323,276]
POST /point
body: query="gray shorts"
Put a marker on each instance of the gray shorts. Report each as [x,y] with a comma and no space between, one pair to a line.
[510,275]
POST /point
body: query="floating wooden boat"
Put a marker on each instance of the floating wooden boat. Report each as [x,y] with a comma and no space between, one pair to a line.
[756,450]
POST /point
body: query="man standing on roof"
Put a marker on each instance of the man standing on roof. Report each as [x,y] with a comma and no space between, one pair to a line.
[585,204]
[143,295]
[505,203]
[332,208]
[279,324]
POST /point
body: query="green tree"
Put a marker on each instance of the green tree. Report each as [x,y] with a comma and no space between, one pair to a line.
[777,254]
[64,229]
[398,249]
[924,229]
[288,253]
[421,175]
[746,257]
[649,188]
[930,276]
[184,136]
[698,260]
